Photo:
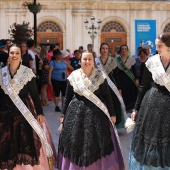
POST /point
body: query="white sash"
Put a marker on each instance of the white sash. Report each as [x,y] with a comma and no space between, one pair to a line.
[111,84]
[129,125]
[25,112]
[93,98]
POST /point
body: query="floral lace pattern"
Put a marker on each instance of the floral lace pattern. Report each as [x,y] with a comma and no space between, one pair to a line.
[92,83]
[20,79]
[152,64]
[129,63]
[19,143]
[110,65]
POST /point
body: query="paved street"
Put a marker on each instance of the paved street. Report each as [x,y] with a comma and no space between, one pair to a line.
[53,121]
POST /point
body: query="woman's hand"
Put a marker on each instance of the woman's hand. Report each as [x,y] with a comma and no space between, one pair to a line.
[137,82]
[40,119]
[133,115]
[120,92]
[61,118]
[113,119]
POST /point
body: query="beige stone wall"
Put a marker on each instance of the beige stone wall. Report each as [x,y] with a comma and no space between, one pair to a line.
[70,16]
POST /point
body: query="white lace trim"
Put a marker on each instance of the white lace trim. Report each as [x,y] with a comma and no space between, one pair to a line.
[110,65]
[23,75]
[92,83]
[129,63]
[152,64]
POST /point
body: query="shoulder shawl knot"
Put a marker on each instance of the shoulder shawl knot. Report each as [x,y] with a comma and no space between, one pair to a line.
[129,63]
[110,65]
[92,83]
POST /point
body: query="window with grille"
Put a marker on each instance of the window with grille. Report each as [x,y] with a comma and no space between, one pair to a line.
[48,25]
[113,26]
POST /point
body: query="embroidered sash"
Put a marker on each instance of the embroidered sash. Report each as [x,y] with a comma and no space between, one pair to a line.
[93,98]
[129,124]
[26,113]
[158,72]
[126,70]
[111,84]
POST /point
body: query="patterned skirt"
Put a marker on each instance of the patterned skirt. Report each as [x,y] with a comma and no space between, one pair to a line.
[88,141]
[20,147]
[150,148]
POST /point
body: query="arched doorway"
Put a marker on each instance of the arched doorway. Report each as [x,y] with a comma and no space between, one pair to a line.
[49,32]
[114,34]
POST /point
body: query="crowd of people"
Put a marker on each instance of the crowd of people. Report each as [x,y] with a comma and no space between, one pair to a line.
[96,92]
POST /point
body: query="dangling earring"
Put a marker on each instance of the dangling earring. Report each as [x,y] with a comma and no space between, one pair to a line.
[21,61]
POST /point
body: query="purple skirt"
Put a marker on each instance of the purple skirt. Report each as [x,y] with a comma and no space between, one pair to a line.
[114,161]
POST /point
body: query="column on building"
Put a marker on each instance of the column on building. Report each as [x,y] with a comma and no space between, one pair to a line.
[68,42]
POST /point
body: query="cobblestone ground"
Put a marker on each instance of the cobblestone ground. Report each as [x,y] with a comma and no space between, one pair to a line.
[53,117]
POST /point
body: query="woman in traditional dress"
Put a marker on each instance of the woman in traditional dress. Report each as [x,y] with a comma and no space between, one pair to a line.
[88,140]
[20,146]
[150,148]
[109,65]
[127,77]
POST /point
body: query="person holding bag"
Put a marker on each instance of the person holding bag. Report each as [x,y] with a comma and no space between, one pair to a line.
[23,143]
[89,139]
[58,76]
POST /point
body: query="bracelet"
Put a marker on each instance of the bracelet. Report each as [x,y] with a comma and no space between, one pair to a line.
[134,110]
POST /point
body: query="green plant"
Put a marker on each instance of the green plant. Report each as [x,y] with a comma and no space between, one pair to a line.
[33,7]
[20,32]
[26,4]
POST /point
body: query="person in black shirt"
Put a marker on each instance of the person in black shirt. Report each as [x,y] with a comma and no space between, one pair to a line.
[27,60]
[3,54]
[75,61]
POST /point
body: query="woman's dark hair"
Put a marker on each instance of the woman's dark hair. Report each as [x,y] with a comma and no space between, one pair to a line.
[81,47]
[103,44]
[30,43]
[144,51]
[120,49]
[24,43]
[76,51]
[87,52]
[15,45]
[165,38]
[123,46]
[52,47]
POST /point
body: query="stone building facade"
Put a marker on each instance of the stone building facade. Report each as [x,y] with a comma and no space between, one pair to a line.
[62,21]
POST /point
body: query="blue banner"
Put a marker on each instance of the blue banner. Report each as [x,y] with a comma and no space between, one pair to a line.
[145,31]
